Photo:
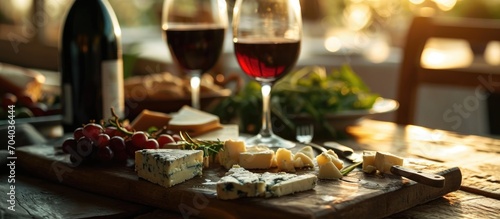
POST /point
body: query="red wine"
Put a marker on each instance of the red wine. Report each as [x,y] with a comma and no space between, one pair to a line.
[266,60]
[195,49]
[91,64]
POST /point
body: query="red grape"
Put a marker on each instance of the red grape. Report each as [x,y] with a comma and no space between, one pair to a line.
[38,109]
[177,137]
[84,147]
[92,130]
[151,144]
[78,133]
[105,154]
[102,140]
[69,145]
[130,149]
[117,144]
[25,100]
[164,139]
[139,139]
[8,99]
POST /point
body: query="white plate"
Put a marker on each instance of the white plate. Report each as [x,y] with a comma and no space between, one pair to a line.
[382,105]
[341,120]
[346,118]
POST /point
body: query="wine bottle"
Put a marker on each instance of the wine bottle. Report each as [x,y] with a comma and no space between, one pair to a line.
[91,64]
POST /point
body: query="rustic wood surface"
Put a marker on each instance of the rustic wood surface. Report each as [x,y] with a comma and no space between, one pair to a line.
[357,196]
[476,156]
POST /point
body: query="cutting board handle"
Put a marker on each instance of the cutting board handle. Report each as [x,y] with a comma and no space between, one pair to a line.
[429,179]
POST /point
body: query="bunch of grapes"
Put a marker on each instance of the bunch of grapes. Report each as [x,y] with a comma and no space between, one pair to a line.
[92,142]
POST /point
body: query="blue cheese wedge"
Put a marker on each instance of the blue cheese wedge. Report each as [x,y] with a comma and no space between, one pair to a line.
[168,167]
[239,183]
[280,184]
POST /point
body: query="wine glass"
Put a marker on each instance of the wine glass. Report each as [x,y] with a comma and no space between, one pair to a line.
[194,31]
[266,37]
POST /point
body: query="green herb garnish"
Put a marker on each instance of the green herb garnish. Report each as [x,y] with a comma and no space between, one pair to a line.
[209,148]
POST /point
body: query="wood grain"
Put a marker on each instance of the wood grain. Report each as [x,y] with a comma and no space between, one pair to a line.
[356,196]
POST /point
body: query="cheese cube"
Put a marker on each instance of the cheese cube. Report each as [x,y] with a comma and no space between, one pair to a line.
[230,154]
[257,157]
[300,160]
[284,160]
[329,171]
[238,183]
[368,161]
[384,161]
[168,167]
[280,184]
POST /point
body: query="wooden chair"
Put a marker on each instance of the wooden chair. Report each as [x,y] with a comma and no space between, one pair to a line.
[413,74]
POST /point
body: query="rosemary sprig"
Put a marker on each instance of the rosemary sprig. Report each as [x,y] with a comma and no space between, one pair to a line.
[209,148]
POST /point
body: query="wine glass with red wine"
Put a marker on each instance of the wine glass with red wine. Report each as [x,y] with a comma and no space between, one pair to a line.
[194,31]
[266,36]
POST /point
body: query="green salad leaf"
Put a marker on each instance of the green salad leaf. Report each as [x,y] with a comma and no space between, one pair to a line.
[309,92]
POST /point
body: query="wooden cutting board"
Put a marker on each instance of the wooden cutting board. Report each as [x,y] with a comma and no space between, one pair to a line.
[358,195]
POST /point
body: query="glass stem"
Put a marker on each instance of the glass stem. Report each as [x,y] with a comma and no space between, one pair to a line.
[195,89]
[267,128]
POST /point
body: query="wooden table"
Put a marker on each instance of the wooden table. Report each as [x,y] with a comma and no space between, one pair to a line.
[478,158]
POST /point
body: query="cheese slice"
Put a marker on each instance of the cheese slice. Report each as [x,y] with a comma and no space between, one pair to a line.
[256,157]
[329,171]
[384,161]
[168,167]
[239,183]
[193,121]
[147,119]
[280,184]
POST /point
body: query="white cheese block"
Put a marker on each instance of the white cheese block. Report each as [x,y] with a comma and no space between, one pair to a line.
[284,160]
[384,161]
[329,171]
[257,157]
[280,184]
[168,167]
[368,161]
[301,160]
[230,154]
[239,183]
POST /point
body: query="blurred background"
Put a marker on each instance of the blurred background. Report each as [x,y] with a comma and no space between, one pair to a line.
[366,34]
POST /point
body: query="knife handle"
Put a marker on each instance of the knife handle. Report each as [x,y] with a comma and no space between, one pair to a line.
[338,148]
[429,179]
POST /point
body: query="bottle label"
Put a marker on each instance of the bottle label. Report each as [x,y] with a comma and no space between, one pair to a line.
[112,88]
